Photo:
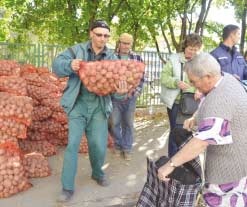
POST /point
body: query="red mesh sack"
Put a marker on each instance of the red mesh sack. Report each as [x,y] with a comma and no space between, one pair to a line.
[36,165]
[62,83]
[13,178]
[100,77]
[27,69]
[83,145]
[60,117]
[41,112]
[48,126]
[59,139]
[18,108]
[4,137]
[9,68]
[13,84]
[13,128]
[43,147]
[49,77]
[33,79]
[37,92]
[110,141]
[58,142]
[36,102]
[36,135]
[43,70]
[53,103]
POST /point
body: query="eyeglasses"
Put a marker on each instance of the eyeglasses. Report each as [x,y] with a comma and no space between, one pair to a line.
[102,35]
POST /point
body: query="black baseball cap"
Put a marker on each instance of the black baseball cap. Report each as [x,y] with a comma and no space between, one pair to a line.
[99,23]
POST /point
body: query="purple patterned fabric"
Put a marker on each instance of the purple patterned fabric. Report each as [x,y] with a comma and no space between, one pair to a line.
[206,125]
[212,199]
[232,194]
[233,200]
[225,129]
[228,187]
[214,130]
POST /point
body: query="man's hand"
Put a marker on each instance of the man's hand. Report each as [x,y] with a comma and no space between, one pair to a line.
[75,64]
[189,123]
[122,87]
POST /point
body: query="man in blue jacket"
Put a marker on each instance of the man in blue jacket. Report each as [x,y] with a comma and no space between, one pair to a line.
[230,60]
[86,111]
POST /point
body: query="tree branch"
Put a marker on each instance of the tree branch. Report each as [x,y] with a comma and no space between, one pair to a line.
[165,38]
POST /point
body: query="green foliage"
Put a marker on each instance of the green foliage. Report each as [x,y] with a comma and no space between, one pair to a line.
[67,22]
[213,36]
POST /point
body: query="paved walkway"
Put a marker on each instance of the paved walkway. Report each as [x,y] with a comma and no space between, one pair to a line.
[127,178]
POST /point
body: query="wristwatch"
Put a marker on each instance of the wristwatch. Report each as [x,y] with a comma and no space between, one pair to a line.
[172,164]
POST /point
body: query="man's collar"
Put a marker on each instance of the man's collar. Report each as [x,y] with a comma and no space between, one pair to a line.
[227,48]
[90,49]
[130,53]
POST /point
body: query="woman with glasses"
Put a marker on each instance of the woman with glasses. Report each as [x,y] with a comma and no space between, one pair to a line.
[173,83]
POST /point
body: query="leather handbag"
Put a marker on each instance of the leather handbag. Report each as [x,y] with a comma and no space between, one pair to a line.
[188,105]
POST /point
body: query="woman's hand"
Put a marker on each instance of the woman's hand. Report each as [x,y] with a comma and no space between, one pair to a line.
[122,87]
[164,171]
[183,86]
[198,95]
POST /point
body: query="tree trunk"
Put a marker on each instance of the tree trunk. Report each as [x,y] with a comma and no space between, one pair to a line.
[174,42]
[165,38]
[200,19]
[205,17]
[93,6]
[243,31]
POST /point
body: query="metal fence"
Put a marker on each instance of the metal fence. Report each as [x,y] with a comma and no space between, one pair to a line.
[43,55]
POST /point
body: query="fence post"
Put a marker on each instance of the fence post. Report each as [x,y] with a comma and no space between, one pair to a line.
[38,54]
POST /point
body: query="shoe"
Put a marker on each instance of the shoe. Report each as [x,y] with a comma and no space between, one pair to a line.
[102,181]
[65,196]
[117,152]
[127,156]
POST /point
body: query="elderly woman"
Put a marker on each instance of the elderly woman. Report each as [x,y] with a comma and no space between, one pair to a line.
[222,131]
[172,83]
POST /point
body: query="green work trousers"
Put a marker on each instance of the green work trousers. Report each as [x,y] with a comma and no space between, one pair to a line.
[86,116]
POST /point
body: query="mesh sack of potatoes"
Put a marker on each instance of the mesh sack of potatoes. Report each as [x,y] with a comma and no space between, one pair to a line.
[101,77]
[36,165]
[13,178]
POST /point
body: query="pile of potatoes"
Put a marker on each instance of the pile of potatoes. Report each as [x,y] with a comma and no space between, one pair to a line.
[101,77]
[13,177]
[9,67]
[14,85]
[18,108]
[36,165]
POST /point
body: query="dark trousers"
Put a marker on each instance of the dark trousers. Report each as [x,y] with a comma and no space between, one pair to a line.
[172,115]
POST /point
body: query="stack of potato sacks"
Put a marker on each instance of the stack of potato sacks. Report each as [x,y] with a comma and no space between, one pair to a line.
[32,124]
[15,116]
[22,150]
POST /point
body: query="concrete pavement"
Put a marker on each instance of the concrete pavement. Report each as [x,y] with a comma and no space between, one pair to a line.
[126,177]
